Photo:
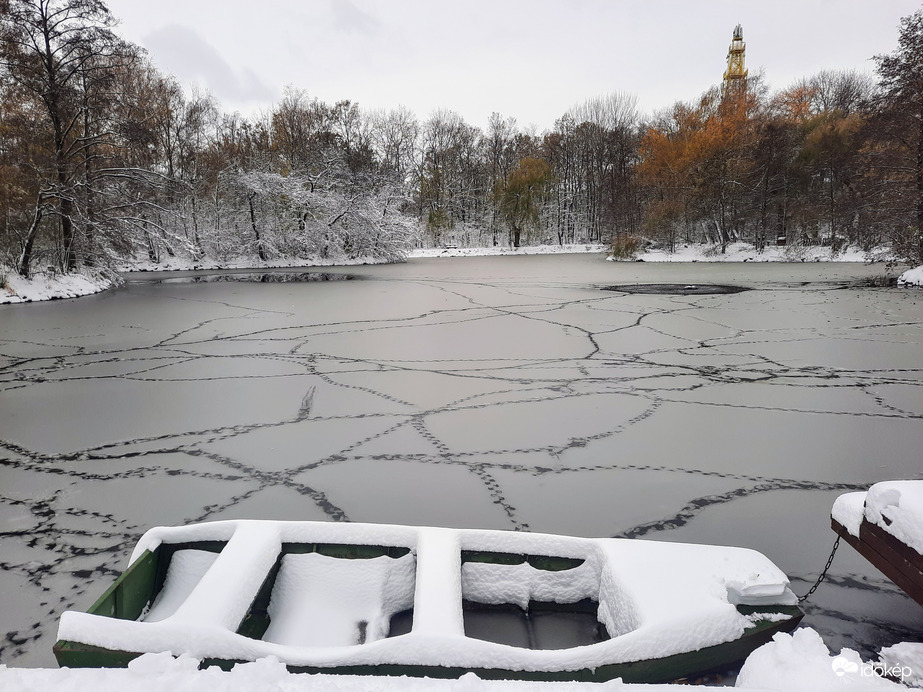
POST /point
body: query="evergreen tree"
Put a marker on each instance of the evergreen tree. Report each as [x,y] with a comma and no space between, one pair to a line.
[899,128]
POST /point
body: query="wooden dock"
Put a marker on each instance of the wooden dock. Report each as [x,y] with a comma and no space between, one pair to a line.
[896,560]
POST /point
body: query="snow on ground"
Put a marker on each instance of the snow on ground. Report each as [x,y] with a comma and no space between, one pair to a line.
[691,252]
[799,662]
[911,277]
[158,672]
[744,252]
[42,286]
[187,264]
[506,251]
[906,657]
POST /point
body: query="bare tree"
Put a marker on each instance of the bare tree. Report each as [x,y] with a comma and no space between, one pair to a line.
[395,136]
[51,48]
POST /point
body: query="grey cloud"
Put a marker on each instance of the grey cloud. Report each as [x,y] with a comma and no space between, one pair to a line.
[350,19]
[186,54]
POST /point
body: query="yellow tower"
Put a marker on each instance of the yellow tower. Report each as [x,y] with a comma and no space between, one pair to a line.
[736,72]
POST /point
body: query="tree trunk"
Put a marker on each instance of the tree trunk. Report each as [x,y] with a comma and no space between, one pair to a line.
[151,248]
[199,253]
[25,259]
[89,251]
[66,209]
[920,192]
[256,232]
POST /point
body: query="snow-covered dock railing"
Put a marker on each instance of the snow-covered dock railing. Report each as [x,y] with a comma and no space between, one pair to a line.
[367,598]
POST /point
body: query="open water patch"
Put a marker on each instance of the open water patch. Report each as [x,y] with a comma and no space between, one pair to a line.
[677,289]
[238,277]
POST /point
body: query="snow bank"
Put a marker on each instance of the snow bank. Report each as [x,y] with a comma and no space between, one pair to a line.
[159,672]
[177,263]
[42,286]
[800,662]
[693,252]
[911,277]
[744,252]
[501,250]
[907,658]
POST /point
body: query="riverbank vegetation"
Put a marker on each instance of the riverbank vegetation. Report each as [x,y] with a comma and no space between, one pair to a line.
[103,158]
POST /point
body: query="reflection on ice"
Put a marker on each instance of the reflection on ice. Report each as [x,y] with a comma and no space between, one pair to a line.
[268,277]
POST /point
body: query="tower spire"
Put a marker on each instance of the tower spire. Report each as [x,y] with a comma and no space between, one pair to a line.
[736,72]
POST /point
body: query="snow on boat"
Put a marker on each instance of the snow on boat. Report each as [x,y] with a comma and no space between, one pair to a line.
[885,525]
[379,599]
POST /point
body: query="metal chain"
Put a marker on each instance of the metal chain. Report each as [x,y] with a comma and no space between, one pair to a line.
[823,574]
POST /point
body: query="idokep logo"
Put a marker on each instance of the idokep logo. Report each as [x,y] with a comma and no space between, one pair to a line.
[843,666]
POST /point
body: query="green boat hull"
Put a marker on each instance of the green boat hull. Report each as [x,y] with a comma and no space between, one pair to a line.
[138,586]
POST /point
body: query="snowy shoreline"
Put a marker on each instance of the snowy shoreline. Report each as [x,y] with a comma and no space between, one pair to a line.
[797,662]
[43,287]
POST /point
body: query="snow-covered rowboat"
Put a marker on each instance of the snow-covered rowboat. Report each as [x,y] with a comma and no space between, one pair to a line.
[885,525]
[378,599]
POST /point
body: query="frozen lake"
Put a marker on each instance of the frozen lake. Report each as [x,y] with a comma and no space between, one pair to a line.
[496,392]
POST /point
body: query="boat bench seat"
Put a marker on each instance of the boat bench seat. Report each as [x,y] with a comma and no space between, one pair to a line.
[319,600]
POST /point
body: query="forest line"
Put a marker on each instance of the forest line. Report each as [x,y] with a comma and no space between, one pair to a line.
[103,158]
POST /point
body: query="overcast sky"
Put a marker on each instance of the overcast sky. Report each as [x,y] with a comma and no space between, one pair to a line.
[530,59]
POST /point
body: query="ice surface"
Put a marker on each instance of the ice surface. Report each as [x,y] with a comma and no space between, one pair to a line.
[400,491]
[532,425]
[160,404]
